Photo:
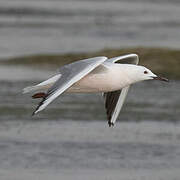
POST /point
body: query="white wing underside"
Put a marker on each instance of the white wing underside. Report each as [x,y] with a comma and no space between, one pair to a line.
[119,104]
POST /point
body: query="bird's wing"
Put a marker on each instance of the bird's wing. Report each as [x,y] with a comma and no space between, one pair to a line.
[70,74]
[115,100]
[126,59]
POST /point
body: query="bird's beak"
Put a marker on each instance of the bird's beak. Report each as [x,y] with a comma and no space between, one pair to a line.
[160,78]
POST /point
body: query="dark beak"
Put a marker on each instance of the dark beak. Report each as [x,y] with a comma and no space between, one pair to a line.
[160,78]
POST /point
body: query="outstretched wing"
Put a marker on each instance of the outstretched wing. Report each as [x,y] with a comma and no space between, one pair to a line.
[70,74]
[115,100]
[126,59]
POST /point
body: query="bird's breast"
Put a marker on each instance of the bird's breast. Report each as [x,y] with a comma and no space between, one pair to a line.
[110,80]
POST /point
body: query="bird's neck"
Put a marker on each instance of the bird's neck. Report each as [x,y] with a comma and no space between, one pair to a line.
[127,74]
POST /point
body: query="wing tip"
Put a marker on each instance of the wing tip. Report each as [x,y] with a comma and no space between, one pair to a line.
[36,111]
[133,54]
[111,124]
[100,58]
[40,107]
[33,113]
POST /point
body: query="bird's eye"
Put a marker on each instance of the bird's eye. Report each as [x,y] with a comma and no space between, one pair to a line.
[145,72]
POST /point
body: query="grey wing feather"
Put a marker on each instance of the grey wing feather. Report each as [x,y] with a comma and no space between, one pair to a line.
[115,100]
[71,73]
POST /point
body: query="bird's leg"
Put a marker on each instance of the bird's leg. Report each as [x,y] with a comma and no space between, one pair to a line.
[38,95]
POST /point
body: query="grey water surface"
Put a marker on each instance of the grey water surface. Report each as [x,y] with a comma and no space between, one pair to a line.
[70,139]
[63,26]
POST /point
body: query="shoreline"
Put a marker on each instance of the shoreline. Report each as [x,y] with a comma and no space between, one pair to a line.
[163,61]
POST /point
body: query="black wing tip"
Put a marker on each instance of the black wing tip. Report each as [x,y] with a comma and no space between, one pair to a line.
[37,108]
[33,113]
[111,124]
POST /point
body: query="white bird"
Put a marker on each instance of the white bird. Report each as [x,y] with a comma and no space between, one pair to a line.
[112,77]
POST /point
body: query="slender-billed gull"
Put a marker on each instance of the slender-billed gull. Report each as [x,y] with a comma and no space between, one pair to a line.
[112,77]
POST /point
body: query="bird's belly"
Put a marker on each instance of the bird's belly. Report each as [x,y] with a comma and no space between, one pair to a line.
[104,82]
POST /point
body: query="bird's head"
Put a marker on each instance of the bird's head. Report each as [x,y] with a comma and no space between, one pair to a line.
[144,73]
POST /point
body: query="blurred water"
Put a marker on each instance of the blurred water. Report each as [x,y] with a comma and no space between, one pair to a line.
[71,139]
[51,26]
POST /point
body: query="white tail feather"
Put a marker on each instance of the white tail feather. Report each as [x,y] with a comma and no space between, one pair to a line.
[29,89]
[43,85]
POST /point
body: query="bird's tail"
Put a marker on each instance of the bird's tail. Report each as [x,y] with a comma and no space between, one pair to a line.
[31,89]
[43,85]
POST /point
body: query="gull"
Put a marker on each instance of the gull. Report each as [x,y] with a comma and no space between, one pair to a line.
[112,77]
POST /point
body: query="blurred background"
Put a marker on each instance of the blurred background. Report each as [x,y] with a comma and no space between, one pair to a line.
[71,138]
[63,26]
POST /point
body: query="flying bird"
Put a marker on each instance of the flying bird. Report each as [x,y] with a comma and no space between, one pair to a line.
[112,77]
